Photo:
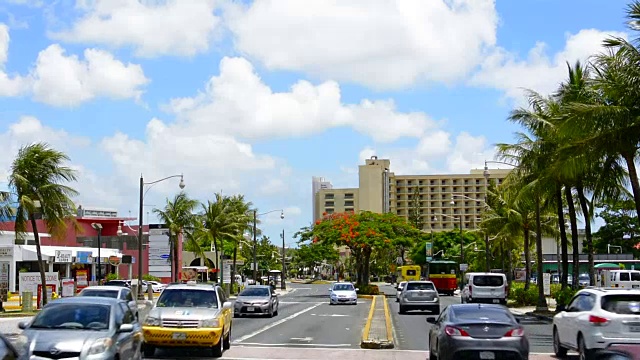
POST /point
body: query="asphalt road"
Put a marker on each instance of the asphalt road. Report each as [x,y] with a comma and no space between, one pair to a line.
[411,330]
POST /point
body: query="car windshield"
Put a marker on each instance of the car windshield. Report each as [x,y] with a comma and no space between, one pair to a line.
[420,286]
[255,292]
[621,304]
[73,316]
[583,277]
[481,313]
[343,287]
[188,298]
[100,293]
[487,280]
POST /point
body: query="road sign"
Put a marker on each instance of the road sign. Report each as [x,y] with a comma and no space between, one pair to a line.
[464,267]
[428,246]
[429,258]
[164,256]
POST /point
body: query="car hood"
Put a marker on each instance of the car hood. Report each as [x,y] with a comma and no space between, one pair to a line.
[344,292]
[183,313]
[253,299]
[61,341]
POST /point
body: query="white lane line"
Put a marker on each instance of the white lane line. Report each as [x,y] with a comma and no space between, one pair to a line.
[301,302]
[260,331]
[285,347]
[292,345]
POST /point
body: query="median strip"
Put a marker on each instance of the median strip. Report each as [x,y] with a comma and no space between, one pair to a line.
[377,333]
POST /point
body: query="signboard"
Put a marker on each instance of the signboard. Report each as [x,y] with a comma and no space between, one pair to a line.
[464,267]
[546,283]
[114,260]
[428,247]
[226,273]
[29,281]
[67,287]
[84,257]
[429,258]
[82,276]
[63,256]
[4,280]
[6,251]
[50,290]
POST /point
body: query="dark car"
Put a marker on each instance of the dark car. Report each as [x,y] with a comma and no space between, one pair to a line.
[477,331]
[620,352]
[7,350]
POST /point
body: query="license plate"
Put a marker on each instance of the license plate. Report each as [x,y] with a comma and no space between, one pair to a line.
[495,301]
[179,336]
[634,328]
[487,355]
[635,286]
[250,308]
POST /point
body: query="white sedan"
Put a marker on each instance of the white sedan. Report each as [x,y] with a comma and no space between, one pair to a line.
[157,286]
[399,290]
[343,293]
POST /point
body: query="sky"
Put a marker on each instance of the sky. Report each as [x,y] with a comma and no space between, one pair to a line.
[256,97]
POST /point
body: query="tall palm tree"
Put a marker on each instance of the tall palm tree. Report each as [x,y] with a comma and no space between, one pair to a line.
[37,176]
[177,215]
[241,209]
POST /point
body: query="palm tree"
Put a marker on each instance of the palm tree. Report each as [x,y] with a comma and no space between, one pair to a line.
[177,215]
[36,179]
[241,210]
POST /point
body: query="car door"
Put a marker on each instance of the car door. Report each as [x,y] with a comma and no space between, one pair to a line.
[125,295]
[437,331]
[124,340]
[274,300]
[561,320]
[226,314]
[571,319]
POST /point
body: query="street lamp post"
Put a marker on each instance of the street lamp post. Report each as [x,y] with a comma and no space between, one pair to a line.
[283,286]
[255,239]
[140,218]
[486,235]
[98,227]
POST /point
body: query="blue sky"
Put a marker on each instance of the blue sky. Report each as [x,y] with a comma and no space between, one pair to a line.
[257,97]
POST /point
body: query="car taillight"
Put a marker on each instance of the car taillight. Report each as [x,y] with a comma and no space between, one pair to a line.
[506,290]
[597,320]
[454,331]
[517,332]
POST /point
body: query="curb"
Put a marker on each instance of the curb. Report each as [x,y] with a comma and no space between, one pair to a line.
[387,319]
[365,343]
[540,317]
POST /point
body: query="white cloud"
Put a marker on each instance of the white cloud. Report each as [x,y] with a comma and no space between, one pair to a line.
[237,102]
[58,79]
[382,44]
[62,80]
[540,72]
[171,27]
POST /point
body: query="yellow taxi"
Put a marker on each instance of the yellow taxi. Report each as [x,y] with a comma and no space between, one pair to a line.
[193,315]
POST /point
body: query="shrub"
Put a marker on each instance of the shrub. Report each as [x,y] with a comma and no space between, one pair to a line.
[562,297]
[148,277]
[523,297]
[112,276]
[368,289]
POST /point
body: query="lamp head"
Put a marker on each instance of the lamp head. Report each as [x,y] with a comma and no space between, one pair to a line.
[282,214]
[96,226]
[181,185]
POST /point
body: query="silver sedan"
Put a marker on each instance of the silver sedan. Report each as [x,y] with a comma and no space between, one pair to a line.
[256,300]
[477,331]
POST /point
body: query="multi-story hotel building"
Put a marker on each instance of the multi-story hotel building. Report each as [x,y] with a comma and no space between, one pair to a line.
[442,199]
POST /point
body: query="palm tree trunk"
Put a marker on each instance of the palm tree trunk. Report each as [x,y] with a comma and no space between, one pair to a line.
[172,260]
[542,300]
[575,271]
[215,250]
[564,242]
[527,260]
[233,268]
[587,230]
[633,177]
[43,278]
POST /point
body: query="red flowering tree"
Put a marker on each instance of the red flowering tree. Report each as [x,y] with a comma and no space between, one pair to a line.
[361,232]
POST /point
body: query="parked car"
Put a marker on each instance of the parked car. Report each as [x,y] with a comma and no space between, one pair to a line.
[482,331]
[156,286]
[419,295]
[256,300]
[343,293]
[595,319]
[83,328]
[123,283]
[189,315]
[115,292]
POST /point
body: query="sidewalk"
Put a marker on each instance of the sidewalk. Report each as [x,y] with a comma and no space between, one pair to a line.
[377,333]
[531,310]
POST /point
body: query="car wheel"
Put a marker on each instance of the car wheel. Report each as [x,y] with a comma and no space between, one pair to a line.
[560,351]
[149,350]
[226,344]
[216,350]
[583,352]
[275,313]
[270,312]
[402,310]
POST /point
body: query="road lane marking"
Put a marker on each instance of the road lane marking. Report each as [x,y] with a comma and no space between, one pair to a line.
[387,318]
[260,331]
[301,302]
[367,325]
[293,345]
[287,347]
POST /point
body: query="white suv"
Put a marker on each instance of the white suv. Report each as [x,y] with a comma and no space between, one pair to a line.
[595,319]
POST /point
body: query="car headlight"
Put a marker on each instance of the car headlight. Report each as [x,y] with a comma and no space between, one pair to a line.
[210,323]
[99,346]
[263,303]
[152,321]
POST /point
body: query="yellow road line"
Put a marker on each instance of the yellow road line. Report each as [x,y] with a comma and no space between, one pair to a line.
[367,326]
[387,317]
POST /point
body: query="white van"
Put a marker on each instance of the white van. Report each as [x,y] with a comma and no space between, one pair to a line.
[485,288]
[624,279]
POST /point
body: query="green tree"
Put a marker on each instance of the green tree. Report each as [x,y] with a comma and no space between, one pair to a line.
[38,176]
[178,215]
[415,212]
[620,228]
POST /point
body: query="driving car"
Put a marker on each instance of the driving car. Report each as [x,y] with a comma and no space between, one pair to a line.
[189,315]
[82,328]
[399,290]
[116,292]
[343,293]
[256,300]
[419,295]
[477,331]
[595,319]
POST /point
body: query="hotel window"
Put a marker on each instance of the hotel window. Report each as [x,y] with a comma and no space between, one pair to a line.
[329,203]
[348,196]
[348,203]
[328,196]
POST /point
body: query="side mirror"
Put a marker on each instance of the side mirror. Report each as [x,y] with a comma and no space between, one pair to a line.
[431,320]
[23,325]
[227,305]
[518,320]
[357,289]
[330,289]
[125,328]
[399,288]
